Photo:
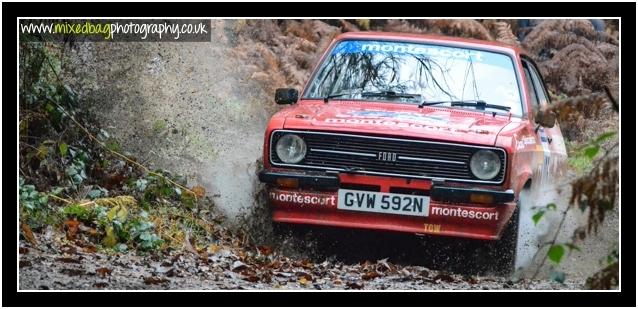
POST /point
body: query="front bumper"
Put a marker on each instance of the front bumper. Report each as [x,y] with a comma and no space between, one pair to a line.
[311,198]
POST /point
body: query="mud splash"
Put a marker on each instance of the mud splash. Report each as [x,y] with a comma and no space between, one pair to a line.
[191,108]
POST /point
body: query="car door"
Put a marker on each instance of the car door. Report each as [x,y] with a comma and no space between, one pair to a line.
[551,139]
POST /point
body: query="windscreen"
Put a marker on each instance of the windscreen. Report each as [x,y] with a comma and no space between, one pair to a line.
[412,73]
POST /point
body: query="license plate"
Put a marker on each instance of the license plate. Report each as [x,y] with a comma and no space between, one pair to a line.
[387,203]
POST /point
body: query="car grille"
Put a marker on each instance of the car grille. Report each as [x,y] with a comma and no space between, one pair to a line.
[387,156]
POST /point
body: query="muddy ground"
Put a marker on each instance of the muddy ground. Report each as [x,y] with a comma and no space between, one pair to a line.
[69,268]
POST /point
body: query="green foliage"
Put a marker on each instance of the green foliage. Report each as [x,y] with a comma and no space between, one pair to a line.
[591,151]
[121,227]
[159,126]
[580,163]
[188,199]
[97,193]
[30,198]
[556,253]
[537,216]
[612,257]
[112,144]
[582,157]
[156,188]
[76,170]
[541,212]
[79,212]
[63,149]
[140,184]
[142,230]
[34,208]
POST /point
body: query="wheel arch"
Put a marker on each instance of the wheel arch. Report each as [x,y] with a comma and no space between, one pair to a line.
[524,181]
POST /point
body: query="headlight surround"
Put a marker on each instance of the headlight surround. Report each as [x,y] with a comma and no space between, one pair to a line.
[485,164]
[291,148]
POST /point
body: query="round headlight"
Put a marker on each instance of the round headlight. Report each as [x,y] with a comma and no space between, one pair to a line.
[485,164]
[291,148]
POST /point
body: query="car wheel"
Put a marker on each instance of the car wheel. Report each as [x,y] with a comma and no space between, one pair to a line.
[504,251]
[518,244]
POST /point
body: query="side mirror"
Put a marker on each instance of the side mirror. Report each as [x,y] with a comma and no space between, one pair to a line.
[546,118]
[286,96]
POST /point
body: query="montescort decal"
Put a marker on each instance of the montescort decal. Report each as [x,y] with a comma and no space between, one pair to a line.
[348,47]
[398,124]
[396,115]
[301,198]
[460,212]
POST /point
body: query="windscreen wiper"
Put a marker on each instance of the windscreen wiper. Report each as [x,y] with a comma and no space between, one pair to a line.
[390,94]
[479,104]
[334,95]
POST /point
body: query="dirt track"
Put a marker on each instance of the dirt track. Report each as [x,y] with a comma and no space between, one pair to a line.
[67,267]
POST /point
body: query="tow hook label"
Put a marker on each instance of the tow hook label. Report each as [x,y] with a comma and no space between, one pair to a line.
[432,228]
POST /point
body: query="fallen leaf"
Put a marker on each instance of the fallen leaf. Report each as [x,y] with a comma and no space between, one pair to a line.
[103,271]
[171,272]
[28,234]
[303,281]
[424,273]
[110,239]
[265,250]
[251,277]
[355,285]
[275,264]
[23,250]
[90,249]
[199,191]
[71,228]
[72,272]
[154,280]
[301,274]
[238,266]
[100,285]
[213,248]
[305,263]
[187,243]
[68,260]
[68,249]
[118,212]
[24,263]
[444,277]
[370,275]
[283,274]
[383,266]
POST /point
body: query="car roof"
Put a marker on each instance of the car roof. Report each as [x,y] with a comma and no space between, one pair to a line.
[430,38]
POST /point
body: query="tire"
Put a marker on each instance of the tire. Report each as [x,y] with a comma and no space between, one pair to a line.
[519,243]
[284,230]
[503,251]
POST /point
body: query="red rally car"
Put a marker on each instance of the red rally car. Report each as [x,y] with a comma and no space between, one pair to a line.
[418,134]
